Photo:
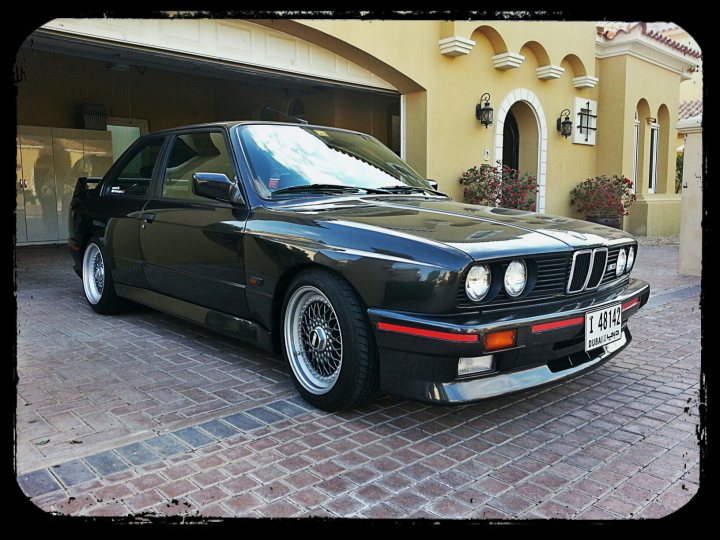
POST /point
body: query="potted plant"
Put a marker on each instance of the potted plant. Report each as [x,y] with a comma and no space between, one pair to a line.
[603,199]
[499,186]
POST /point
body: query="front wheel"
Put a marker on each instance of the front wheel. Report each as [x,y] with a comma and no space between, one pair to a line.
[327,342]
[97,280]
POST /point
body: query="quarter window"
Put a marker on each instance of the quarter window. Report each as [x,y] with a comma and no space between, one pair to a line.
[195,152]
[135,175]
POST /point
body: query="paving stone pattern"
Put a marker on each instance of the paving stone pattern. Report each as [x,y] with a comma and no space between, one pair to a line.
[143,414]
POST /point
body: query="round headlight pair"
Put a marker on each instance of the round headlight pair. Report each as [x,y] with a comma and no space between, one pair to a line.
[477,283]
[625,261]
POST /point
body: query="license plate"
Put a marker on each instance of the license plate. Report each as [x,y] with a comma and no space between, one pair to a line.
[603,326]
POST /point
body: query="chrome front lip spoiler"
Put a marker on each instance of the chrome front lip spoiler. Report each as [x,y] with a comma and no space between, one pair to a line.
[456,392]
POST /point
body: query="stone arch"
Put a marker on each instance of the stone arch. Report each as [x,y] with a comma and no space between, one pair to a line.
[538,51]
[643,109]
[493,36]
[577,65]
[532,101]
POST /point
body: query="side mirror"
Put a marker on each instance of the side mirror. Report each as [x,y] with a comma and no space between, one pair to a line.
[433,184]
[216,186]
[85,184]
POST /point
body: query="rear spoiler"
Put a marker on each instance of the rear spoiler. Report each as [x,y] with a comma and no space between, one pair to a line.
[86,185]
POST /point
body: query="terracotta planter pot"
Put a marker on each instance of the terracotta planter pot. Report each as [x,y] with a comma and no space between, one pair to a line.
[609,221]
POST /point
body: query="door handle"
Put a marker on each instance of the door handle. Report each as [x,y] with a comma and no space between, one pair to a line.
[149,217]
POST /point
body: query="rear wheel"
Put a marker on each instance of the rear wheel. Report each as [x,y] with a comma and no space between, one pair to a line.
[327,342]
[97,280]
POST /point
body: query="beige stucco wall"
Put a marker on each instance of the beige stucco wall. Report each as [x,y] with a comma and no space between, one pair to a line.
[654,213]
[664,90]
[691,89]
[657,215]
[614,135]
[690,260]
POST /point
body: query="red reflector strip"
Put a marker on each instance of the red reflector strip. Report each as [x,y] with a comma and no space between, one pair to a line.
[631,303]
[557,324]
[426,333]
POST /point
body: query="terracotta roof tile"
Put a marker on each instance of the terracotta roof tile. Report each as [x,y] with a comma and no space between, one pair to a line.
[688,109]
[611,29]
[685,49]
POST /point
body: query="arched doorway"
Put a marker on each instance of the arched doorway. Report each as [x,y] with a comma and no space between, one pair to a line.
[511,142]
[521,115]
[520,139]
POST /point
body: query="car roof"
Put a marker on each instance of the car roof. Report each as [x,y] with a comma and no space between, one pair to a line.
[229,124]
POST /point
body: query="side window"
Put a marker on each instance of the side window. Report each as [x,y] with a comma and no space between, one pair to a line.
[135,176]
[195,152]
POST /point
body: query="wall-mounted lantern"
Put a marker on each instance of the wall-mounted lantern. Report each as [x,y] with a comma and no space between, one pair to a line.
[484,113]
[564,126]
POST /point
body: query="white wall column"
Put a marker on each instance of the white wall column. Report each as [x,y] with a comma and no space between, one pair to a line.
[690,259]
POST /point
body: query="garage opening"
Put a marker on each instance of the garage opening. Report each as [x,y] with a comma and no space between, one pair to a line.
[80,104]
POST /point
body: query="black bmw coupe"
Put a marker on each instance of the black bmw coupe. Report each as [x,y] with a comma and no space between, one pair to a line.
[321,243]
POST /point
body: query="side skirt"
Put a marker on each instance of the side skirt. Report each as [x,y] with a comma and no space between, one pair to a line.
[222,323]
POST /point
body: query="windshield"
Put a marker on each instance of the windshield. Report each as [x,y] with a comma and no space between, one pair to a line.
[283,156]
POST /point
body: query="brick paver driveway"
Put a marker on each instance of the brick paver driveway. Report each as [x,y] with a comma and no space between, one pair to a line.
[144,413]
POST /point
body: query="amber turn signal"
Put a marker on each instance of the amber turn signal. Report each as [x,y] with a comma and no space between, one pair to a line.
[503,339]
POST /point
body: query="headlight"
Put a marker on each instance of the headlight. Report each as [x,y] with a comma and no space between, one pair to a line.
[515,277]
[621,263]
[630,259]
[477,283]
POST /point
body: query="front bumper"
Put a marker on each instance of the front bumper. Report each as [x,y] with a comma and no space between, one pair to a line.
[419,353]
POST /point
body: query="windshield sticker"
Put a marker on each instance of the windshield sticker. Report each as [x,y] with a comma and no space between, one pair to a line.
[321,132]
[273,183]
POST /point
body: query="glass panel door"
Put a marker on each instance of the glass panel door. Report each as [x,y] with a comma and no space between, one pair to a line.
[38,171]
[68,160]
[98,152]
[21,229]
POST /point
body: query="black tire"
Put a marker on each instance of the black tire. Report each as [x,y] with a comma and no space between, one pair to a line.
[99,293]
[356,380]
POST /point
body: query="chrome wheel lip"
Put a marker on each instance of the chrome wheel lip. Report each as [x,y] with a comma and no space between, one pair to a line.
[309,310]
[93,273]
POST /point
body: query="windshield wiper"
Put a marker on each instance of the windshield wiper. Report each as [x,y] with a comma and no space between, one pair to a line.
[327,188]
[409,189]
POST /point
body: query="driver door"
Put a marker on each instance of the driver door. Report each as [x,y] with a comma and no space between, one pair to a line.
[193,247]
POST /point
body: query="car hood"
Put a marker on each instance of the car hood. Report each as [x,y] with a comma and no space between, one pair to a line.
[479,231]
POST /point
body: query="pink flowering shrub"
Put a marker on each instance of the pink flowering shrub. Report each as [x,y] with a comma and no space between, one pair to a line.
[603,196]
[499,186]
